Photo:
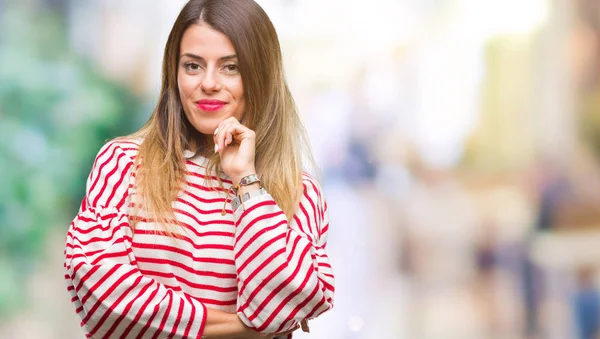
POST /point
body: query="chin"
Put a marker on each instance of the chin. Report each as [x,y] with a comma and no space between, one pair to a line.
[204,125]
[204,128]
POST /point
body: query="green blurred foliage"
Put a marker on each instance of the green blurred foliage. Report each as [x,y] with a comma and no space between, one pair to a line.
[56,110]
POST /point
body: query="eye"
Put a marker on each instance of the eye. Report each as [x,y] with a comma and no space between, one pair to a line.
[231,68]
[192,66]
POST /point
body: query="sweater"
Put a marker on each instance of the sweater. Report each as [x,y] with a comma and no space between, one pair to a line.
[142,282]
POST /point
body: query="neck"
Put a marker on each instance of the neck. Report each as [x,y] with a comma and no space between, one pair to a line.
[201,144]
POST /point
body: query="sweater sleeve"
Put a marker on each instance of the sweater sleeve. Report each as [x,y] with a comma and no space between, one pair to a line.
[284,275]
[111,296]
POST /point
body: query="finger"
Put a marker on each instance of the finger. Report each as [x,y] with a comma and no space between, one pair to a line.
[228,130]
[221,136]
[241,132]
[228,139]
[233,131]
[304,325]
[218,138]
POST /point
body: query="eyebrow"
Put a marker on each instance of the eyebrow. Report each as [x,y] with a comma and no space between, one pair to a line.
[197,57]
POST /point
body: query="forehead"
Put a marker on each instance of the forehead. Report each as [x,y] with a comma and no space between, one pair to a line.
[203,40]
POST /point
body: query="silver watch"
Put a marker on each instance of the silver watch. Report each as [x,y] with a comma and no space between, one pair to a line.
[236,202]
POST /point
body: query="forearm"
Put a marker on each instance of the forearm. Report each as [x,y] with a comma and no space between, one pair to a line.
[222,325]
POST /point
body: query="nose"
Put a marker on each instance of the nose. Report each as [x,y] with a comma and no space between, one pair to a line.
[210,81]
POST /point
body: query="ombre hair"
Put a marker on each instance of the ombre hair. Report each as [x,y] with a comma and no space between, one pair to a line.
[281,142]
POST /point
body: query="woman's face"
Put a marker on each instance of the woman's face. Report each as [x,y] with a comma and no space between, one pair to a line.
[210,84]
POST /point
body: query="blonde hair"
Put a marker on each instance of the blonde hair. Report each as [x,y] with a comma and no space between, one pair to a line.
[281,142]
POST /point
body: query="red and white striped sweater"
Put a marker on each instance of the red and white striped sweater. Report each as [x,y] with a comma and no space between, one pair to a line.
[145,284]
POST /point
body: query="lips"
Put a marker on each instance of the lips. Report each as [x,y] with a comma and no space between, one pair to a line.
[210,105]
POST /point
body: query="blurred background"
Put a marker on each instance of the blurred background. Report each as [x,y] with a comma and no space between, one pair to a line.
[459,143]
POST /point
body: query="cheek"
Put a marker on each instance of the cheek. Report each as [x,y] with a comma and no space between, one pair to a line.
[185,84]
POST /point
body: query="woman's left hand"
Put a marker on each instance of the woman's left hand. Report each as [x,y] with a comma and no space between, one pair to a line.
[236,144]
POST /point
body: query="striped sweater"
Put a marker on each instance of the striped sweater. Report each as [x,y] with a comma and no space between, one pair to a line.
[143,283]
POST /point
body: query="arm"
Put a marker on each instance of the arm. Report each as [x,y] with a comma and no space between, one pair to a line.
[112,297]
[284,275]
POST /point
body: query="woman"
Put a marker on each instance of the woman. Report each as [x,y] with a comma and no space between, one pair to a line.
[202,224]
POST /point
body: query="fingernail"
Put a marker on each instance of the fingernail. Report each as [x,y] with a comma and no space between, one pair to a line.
[216,148]
[216,131]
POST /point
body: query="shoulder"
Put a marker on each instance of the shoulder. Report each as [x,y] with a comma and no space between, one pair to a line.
[308,179]
[122,149]
[311,187]
[109,180]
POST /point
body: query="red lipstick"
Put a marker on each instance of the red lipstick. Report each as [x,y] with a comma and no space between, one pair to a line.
[210,105]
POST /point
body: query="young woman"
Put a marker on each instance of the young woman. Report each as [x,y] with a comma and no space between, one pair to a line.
[203,224]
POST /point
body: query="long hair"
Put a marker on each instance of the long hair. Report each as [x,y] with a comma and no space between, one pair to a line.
[281,141]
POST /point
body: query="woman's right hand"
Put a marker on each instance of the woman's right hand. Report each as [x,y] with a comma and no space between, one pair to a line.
[222,325]
[249,333]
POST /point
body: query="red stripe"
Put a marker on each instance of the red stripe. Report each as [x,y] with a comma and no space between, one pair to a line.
[206,212]
[105,256]
[111,310]
[256,220]
[98,157]
[287,325]
[161,327]
[312,313]
[119,183]
[253,207]
[141,310]
[308,223]
[103,174]
[265,262]
[289,298]
[185,226]
[85,276]
[96,217]
[318,194]
[204,318]
[204,287]
[281,286]
[260,286]
[202,176]
[216,302]
[199,234]
[153,314]
[324,229]
[299,224]
[185,253]
[257,235]
[178,319]
[81,253]
[314,209]
[196,246]
[135,145]
[191,318]
[205,200]
[178,264]
[203,223]
[98,239]
[207,189]
[268,279]
[104,296]
[256,253]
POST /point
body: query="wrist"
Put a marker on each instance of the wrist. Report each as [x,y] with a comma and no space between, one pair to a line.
[244,189]
[222,325]
[237,177]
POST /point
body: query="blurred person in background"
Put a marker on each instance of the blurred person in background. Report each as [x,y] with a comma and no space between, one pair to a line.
[159,248]
[586,303]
